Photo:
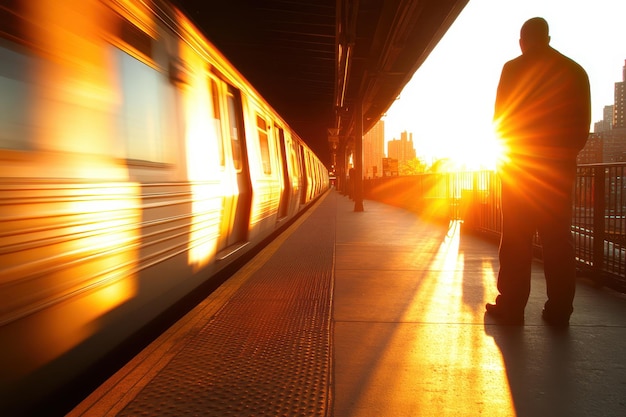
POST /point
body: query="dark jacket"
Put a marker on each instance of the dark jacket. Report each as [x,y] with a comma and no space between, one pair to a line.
[543,106]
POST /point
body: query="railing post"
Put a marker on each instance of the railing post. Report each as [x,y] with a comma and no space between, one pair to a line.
[598,220]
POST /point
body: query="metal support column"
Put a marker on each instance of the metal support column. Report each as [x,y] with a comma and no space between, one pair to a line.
[358,158]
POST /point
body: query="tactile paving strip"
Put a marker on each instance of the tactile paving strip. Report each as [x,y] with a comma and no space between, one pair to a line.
[267,351]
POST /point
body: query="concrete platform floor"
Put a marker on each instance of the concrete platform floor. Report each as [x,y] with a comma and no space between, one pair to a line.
[411,337]
[408,334]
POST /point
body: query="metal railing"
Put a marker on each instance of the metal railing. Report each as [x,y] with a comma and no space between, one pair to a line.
[598,223]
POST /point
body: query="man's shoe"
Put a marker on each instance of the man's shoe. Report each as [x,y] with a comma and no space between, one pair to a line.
[555,320]
[505,316]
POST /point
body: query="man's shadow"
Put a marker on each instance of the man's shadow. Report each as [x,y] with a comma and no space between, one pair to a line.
[539,369]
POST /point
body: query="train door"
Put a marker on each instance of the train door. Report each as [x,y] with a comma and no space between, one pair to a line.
[285,189]
[237,205]
[304,183]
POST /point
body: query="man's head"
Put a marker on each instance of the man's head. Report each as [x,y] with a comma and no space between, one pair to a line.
[534,35]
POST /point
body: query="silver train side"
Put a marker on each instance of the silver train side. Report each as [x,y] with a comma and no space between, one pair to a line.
[136,164]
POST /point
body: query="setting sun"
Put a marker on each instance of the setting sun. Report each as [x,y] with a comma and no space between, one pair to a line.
[480,152]
[448,105]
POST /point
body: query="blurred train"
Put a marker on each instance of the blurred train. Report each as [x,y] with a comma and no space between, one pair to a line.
[136,164]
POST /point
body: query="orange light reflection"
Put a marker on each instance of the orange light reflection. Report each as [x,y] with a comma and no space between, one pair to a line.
[201,135]
[439,361]
[72,239]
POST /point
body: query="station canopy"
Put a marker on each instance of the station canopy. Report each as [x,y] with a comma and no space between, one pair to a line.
[313,60]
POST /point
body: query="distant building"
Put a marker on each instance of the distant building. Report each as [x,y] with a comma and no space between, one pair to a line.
[390,167]
[614,145]
[608,142]
[401,149]
[374,151]
[606,146]
[593,150]
[619,95]
[607,120]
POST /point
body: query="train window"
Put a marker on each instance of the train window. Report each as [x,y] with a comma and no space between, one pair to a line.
[15,116]
[15,84]
[233,120]
[216,119]
[264,144]
[12,24]
[140,115]
[136,38]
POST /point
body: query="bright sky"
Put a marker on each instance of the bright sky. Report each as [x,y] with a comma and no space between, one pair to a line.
[448,104]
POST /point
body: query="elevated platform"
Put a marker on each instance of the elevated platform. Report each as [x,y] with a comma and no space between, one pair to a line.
[374,313]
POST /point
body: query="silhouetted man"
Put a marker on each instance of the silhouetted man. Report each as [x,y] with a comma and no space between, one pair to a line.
[542,113]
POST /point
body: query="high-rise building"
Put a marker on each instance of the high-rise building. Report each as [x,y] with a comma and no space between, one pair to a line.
[607,120]
[614,145]
[608,142]
[373,151]
[401,149]
[620,93]
[593,151]
[615,139]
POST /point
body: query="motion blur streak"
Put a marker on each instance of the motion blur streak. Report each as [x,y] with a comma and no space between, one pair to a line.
[121,191]
[202,134]
[61,241]
[70,94]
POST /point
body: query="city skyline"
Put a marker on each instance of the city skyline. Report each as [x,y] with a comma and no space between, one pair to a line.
[448,104]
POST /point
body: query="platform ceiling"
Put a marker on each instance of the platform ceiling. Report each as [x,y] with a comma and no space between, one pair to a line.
[289,51]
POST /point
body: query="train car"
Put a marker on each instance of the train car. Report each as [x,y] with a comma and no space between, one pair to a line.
[136,164]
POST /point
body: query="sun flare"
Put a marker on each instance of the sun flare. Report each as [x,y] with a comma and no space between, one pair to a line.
[481,152]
